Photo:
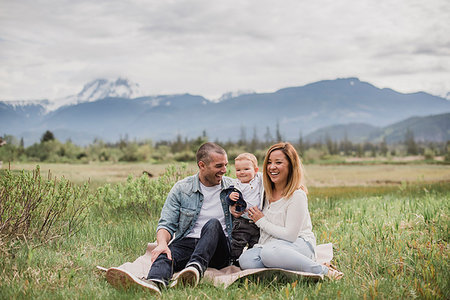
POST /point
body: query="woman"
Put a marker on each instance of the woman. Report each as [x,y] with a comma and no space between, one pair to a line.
[286,240]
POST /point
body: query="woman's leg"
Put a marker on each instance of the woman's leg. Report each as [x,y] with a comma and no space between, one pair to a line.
[251,259]
[296,256]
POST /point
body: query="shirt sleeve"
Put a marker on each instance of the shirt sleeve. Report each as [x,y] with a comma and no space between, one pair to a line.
[170,213]
[296,213]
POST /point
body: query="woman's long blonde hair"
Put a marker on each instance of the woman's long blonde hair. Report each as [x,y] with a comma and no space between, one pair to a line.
[295,178]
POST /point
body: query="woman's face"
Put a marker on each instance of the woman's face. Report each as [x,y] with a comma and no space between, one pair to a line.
[278,168]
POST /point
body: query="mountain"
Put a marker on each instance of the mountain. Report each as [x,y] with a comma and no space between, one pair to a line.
[109,110]
[18,115]
[434,128]
[354,132]
[97,90]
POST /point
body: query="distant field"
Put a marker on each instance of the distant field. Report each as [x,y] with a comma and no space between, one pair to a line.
[317,175]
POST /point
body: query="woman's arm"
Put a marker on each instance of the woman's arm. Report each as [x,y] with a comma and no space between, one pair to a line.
[296,213]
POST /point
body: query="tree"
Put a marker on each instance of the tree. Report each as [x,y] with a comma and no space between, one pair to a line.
[301,145]
[278,133]
[47,136]
[243,136]
[360,150]
[331,146]
[346,145]
[268,136]
[178,145]
[411,146]
[447,151]
[383,147]
[255,141]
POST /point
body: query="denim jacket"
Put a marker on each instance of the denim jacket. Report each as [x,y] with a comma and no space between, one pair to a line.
[183,205]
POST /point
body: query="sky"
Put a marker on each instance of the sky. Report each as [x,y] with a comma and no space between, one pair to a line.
[52,48]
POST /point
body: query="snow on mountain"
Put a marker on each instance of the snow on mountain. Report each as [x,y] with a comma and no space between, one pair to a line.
[99,89]
[446,96]
[234,94]
[21,103]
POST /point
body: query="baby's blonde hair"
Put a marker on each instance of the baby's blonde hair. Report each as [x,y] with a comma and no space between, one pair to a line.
[249,157]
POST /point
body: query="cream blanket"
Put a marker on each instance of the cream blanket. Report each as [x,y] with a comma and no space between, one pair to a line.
[226,276]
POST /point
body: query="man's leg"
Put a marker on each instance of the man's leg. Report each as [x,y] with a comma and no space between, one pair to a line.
[163,268]
[212,249]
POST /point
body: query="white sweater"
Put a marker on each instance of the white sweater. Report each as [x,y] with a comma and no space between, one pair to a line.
[286,219]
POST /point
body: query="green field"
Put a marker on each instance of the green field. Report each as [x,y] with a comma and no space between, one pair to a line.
[316,175]
[388,224]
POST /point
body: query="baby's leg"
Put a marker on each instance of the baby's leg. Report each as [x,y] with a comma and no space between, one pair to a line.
[253,235]
[239,238]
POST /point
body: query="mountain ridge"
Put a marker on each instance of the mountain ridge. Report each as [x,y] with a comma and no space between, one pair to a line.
[296,110]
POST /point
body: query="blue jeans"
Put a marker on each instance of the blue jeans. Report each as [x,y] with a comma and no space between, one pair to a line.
[212,249]
[297,256]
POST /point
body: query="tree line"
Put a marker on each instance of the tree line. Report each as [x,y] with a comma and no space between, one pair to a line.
[50,149]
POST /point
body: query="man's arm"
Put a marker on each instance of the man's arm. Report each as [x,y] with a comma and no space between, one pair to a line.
[170,213]
[162,239]
[168,224]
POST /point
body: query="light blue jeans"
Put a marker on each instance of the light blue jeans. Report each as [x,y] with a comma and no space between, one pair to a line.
[296,256]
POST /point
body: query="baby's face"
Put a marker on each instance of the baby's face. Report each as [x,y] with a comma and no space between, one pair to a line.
[245,171]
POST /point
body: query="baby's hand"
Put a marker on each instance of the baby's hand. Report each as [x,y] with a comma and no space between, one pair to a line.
[234,196]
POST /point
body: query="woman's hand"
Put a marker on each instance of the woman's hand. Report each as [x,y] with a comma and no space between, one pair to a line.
[254,213]
[234,212]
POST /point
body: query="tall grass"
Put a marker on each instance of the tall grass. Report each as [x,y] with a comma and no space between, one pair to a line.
[390,246]
[390,243]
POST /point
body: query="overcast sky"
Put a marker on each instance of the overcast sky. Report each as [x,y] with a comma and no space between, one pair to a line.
[51,48]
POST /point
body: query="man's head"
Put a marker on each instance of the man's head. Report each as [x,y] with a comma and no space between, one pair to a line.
[212,163]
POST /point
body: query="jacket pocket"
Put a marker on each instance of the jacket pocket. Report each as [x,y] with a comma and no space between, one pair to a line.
[186,217]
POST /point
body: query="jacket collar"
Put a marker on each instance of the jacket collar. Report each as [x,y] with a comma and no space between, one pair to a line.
[196,184]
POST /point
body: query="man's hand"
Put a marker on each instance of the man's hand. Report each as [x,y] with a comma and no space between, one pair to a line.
[162,239]
[234,212]
[161,248]
[234,196]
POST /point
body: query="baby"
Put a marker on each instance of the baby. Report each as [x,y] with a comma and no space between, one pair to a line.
[248,187]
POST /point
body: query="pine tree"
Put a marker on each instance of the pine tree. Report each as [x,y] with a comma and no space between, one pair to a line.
[411,146]
[47,136]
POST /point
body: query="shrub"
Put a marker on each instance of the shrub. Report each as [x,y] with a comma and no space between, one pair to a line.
[429,154]
[35,208]
[185,156]
[140,194]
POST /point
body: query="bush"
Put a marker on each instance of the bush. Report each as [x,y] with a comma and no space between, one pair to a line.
[140,194]
[35,208]
[429,154]
[185,156]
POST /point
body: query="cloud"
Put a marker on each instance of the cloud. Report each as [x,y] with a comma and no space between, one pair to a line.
[52,48]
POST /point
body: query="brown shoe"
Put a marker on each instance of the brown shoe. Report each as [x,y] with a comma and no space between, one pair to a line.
[124,280]
[333,272]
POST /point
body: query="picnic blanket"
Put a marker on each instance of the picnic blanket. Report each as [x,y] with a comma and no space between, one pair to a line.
[226,276]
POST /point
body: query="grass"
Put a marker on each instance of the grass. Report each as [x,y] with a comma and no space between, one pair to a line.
[391,241]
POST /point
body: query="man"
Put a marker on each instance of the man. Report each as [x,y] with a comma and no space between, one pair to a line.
[194,230]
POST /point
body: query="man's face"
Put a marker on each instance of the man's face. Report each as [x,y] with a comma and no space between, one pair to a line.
[211,174]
